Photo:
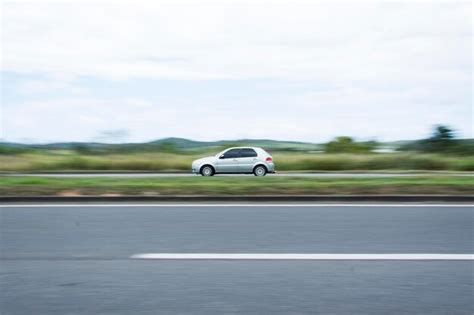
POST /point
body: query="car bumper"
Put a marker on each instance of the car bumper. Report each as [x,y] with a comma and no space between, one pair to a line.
[270,168]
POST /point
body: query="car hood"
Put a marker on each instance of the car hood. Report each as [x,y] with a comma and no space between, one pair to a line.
[204,159]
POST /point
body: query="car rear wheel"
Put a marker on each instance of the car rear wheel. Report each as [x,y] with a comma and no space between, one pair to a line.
[207,170]
[260,171]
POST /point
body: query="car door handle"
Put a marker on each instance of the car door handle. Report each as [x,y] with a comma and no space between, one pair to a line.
[235,160]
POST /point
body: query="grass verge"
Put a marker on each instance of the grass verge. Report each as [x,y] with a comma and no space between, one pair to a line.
[241,185]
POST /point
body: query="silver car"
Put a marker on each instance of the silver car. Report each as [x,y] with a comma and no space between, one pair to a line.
[243,160]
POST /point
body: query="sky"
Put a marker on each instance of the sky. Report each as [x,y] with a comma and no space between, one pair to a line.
[296,70]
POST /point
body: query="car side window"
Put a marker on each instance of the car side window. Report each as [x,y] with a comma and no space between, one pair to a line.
[248,153]
[232,154]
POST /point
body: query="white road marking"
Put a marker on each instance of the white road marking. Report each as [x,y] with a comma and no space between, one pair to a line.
[216,256]
[237,205]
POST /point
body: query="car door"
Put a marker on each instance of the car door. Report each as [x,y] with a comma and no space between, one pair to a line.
[228,162]
[247,160]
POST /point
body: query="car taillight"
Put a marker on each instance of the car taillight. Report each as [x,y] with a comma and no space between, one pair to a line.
[269,159]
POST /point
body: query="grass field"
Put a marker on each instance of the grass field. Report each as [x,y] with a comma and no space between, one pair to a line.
[239,185]
[64,160]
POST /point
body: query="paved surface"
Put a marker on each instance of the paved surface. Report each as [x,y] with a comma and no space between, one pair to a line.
[58,260]
[139,175]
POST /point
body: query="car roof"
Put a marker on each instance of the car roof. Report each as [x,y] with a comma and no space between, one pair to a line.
[255,148]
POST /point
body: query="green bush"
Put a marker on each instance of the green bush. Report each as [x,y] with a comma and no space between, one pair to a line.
[347,145]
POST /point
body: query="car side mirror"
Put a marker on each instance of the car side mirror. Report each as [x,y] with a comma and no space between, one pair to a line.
[221,157]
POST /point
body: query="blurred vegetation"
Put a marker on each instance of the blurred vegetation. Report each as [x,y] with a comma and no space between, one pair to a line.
[347,145]
[442,141]
[66,160]
[441,151]
[235,185]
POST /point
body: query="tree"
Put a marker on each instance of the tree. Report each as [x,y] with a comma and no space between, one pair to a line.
[442,140]
[442,133]
[346,144]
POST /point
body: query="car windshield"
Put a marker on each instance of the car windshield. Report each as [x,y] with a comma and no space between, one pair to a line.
[220,153]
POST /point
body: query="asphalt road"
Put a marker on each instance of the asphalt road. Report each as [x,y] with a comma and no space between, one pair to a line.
[77,259]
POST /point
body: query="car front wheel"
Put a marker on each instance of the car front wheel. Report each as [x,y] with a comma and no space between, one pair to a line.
[207,171]
[260,171]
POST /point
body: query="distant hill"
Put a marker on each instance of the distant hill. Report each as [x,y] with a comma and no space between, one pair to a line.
[166,143]
[182,144]
[266,143]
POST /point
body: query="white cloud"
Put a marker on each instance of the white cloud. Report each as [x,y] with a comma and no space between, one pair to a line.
[48,85]
[383,66]
[334,41]
[311,116]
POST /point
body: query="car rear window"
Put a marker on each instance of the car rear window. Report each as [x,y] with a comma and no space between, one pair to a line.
[248,153]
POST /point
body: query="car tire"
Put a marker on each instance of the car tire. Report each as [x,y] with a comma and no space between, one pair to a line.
[207,170]
[260,170]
